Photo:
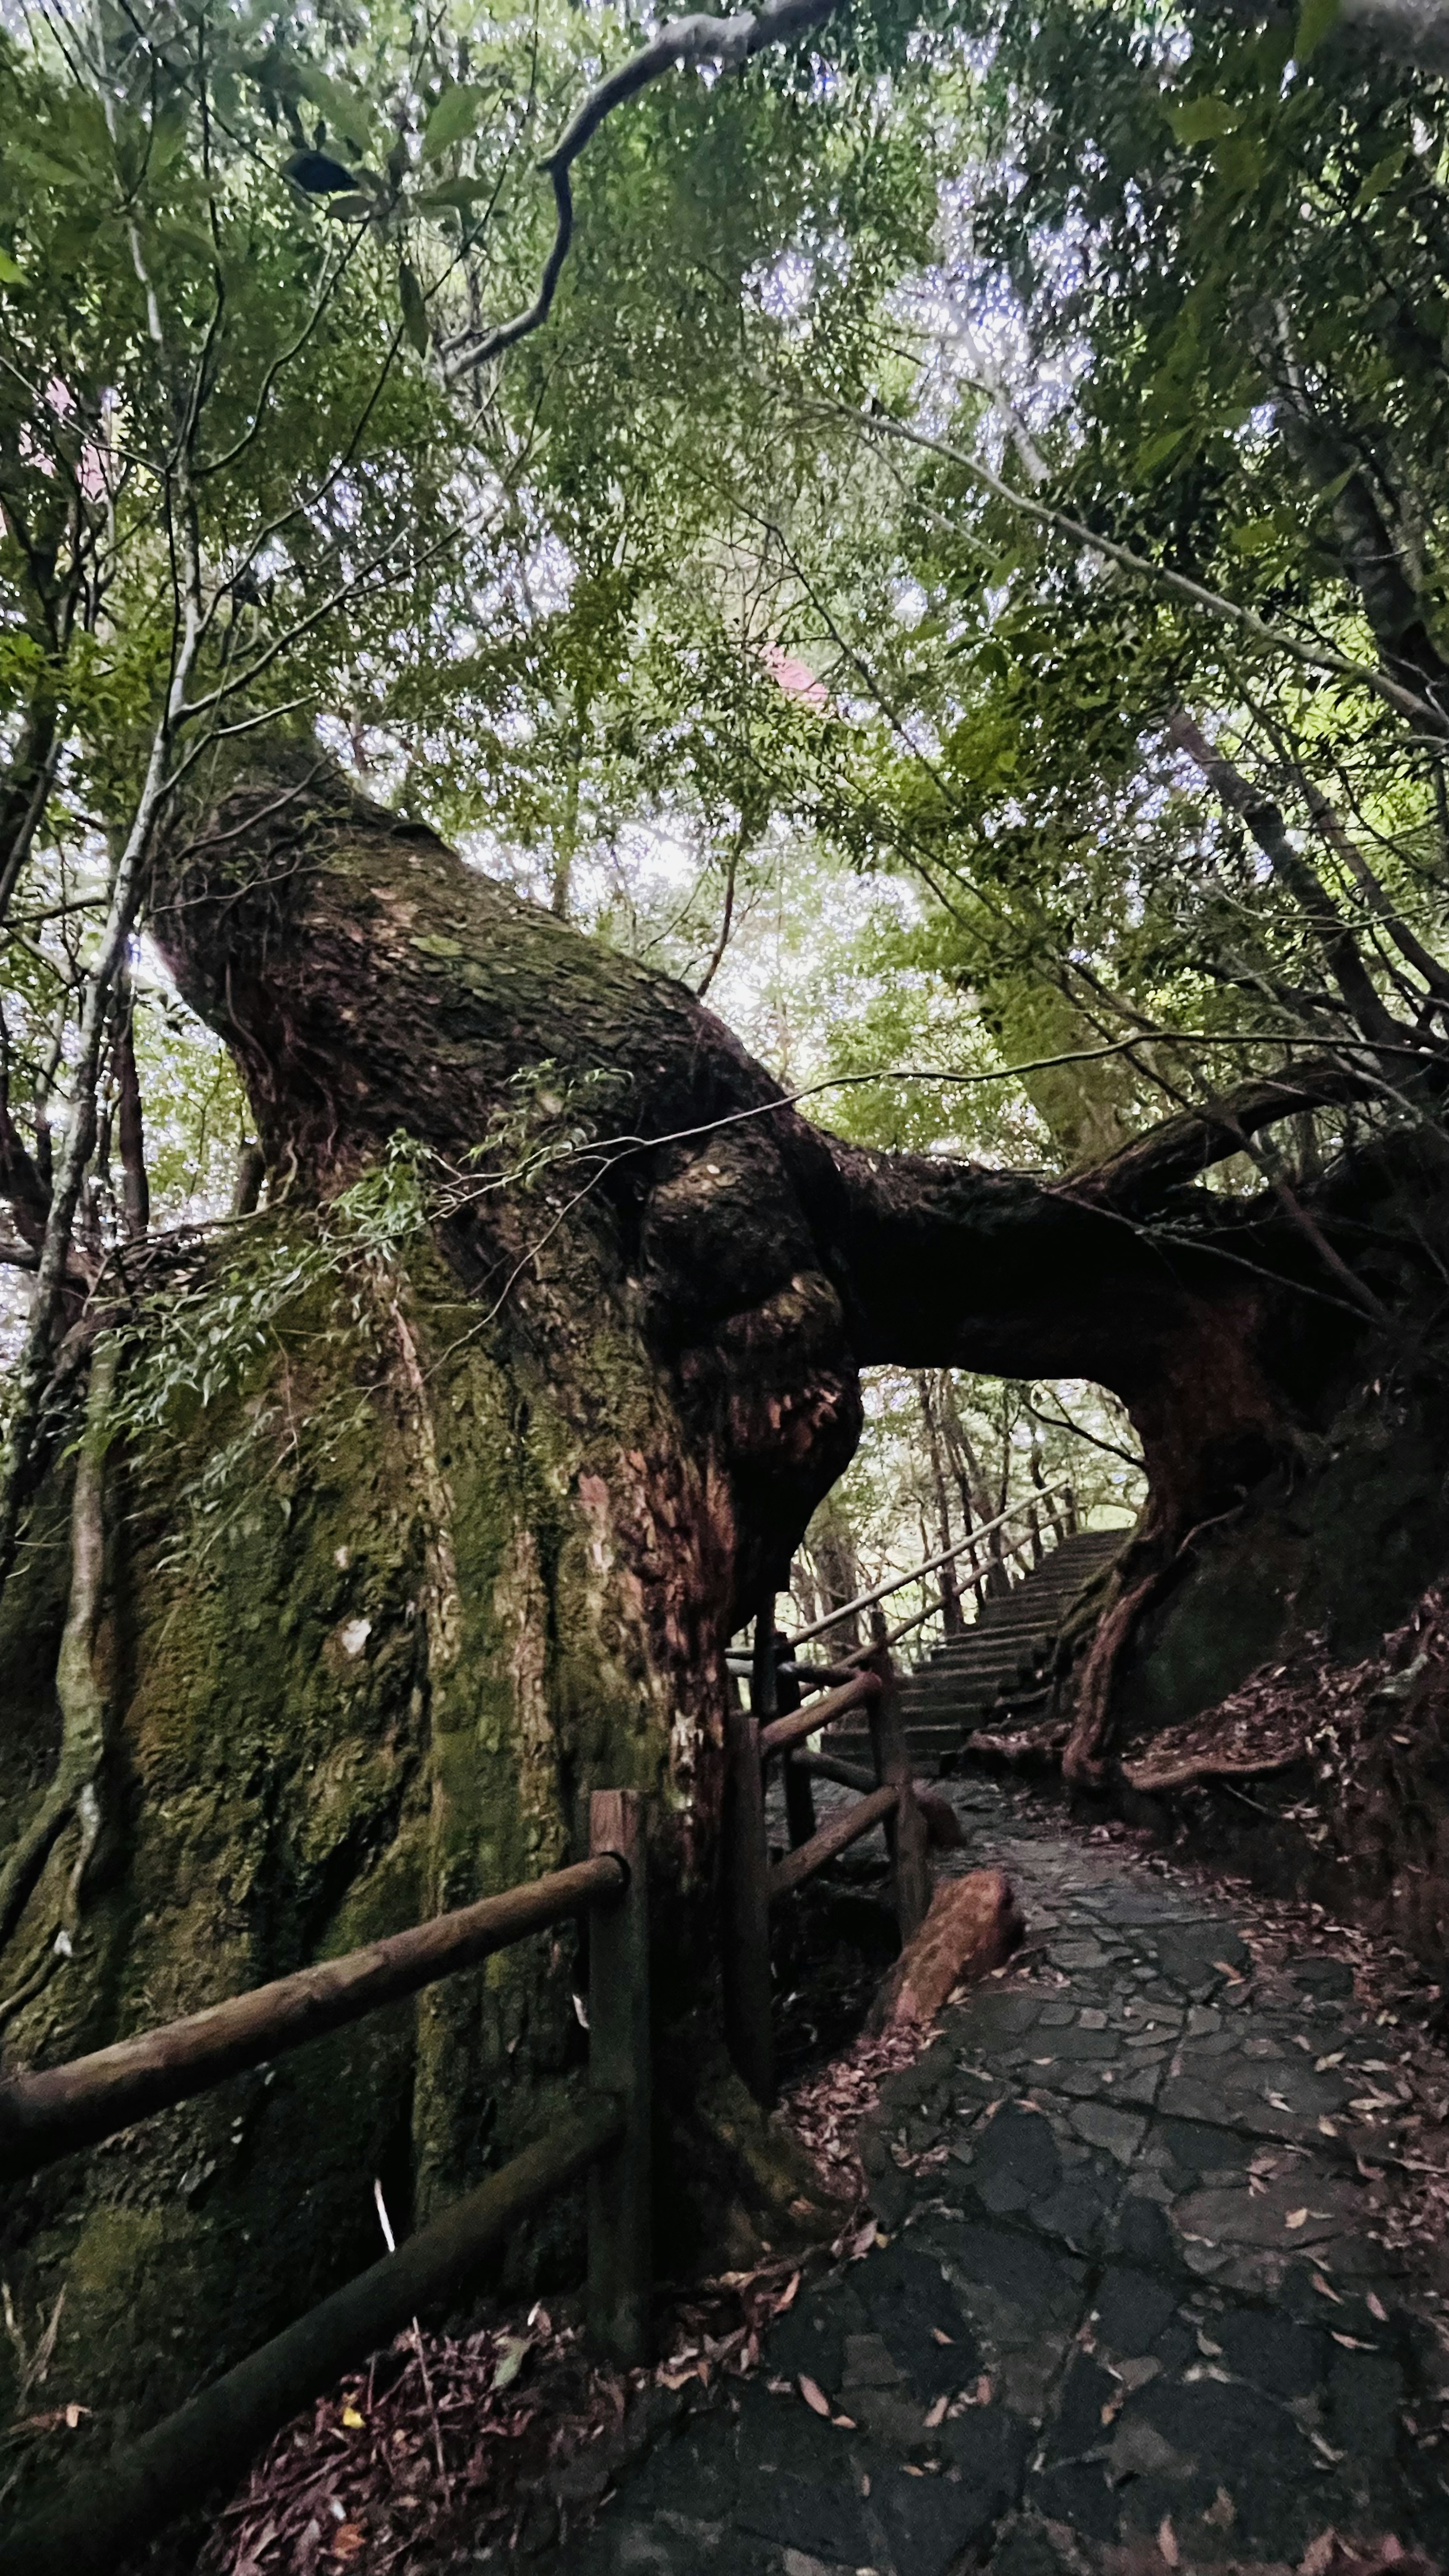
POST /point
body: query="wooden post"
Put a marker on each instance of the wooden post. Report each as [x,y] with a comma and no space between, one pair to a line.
[620,2192]
[906,1828]
[745,1910]
[799,1802]
[773,1700]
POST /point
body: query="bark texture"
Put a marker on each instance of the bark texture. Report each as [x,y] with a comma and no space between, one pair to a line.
[464,1538]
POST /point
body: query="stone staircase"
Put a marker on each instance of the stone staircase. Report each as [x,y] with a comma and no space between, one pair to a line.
[976,1679]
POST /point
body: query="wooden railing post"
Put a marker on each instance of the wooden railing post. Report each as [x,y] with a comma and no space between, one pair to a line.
[770,1700]
[906,1828]
[620,2191]
[745,1862]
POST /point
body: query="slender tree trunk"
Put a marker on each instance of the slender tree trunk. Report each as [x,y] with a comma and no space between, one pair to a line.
[951,1618]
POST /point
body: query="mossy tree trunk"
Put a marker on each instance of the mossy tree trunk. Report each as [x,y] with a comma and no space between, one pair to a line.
[466,1535]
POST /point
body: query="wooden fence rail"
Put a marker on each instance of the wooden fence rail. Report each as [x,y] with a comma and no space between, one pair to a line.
[752,1884]
[50,2114]
[928,1564]
[209,2441]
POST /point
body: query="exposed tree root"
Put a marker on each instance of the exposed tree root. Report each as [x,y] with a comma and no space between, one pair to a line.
[1034,1748]
[81,1690]
[1191,1773]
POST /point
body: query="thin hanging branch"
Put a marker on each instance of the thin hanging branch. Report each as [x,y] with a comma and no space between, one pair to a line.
[730,42]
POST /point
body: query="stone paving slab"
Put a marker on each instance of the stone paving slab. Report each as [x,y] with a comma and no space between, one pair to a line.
[1124,2293]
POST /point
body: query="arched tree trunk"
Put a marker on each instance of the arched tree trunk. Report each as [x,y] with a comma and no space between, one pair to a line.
[464,1534]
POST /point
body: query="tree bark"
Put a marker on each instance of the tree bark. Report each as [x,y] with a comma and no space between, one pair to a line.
[464,1534]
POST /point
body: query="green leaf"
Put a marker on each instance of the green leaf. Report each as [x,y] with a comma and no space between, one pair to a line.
[11,273]
[455,115]
[414,310]
[1241,161]
[513,2351]
[1202,120]
[349,118]
[459,193]
[1158,449]
[58,174]
[1254,536]
[1381,176]
[1316,19]
[168,135]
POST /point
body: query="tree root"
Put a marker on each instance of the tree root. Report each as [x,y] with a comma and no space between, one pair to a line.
[81,1690]
[1153,1778]
[737,2184]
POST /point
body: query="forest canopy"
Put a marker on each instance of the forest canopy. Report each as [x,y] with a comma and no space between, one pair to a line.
[954,571]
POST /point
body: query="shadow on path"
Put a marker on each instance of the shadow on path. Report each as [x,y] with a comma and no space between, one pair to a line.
[1125,2313]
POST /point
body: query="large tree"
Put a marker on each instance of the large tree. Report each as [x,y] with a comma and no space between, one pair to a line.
[421,1498]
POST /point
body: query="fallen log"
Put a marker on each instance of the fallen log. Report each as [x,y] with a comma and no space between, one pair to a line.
[973,1926]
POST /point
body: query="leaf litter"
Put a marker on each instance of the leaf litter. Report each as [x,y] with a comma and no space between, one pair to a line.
[502,2440]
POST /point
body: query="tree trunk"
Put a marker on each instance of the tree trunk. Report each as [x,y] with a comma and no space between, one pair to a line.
[464,1532]
[951,1619]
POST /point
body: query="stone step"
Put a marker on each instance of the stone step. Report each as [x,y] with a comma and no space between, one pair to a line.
[1013,1651]
[950,1659]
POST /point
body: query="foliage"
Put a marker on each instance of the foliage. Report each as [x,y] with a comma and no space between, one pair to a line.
[657,616]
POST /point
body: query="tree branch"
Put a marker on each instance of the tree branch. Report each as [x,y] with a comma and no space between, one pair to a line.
[1335,940]
[1314,657]
[697,39]
[1181,1149]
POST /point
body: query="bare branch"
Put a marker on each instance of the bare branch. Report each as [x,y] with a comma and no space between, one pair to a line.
[1314,657]
[696,39]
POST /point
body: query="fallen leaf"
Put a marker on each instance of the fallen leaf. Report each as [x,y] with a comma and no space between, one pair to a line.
[1376,2307]
[355,2422]
[1296,2218]
[348,2538]
[1235,1979]
[1320,2284]
[845,2422]
[787,2295]
[1318,2554]
[1167,2540]
[814,2397]
[936,2414]
[941,2338]
[1353,2343]
[513,2351]
[1205,2344]
[1321,2066]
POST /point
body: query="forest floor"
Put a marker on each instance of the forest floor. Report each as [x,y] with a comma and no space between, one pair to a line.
[1157,2280]
[1150,2276]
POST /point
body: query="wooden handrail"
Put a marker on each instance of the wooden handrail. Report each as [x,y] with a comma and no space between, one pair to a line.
[928,1565]
[209,2442]
[827,1766]
[51,2113]
[131,2496]
[918,1618]
[842,1830]
[818,1712]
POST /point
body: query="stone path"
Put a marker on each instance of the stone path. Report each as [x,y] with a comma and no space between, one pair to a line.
[1124,2314]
